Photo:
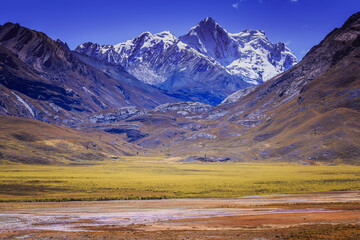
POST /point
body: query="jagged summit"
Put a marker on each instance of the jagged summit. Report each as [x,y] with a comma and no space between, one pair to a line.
[208,21]
[9,24]
[207,26]
[208,37]
[247,54]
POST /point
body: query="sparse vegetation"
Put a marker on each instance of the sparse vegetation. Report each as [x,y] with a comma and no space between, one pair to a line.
[155,178]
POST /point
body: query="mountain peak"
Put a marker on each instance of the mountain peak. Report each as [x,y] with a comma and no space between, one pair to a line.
[252,31]
[165,34]
[353,19]
[208,22]
[8,24]
[232,50]
[145,34]
[208,27]
[336,45]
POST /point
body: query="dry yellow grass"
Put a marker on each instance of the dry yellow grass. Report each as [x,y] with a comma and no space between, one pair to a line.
[147,178]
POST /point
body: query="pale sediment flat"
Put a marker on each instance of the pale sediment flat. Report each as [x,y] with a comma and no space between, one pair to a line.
[256,213]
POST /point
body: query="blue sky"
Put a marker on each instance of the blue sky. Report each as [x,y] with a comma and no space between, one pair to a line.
[299,23]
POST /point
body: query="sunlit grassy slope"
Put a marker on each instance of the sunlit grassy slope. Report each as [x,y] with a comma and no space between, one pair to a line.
[30,141]
[147,178]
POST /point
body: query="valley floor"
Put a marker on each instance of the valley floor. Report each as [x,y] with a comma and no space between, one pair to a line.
[140,178]
[327,215]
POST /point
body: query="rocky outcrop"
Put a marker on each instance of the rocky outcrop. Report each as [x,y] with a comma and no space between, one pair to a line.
[116,115]
[184,108]
[238,95]
[202,135]
[206,159]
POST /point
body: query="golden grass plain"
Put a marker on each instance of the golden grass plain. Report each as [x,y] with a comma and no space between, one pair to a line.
[158,178]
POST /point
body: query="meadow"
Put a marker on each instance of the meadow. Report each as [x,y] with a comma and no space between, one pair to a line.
[156,178]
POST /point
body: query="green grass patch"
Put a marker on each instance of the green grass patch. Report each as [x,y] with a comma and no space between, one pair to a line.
[143,178]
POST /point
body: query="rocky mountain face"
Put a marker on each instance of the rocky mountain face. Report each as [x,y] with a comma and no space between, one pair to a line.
[42,79]
[248,54]
[308,114]
[164,61]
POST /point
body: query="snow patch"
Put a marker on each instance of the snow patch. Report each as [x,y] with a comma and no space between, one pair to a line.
[25,104]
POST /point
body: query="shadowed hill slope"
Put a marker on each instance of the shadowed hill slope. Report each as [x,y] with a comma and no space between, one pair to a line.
[56,86]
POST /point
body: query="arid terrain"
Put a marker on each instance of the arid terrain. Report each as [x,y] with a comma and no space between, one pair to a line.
[287,216]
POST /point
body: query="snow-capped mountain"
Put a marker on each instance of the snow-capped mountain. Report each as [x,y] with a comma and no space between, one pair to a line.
[166,62]
[248,54]
[205,65]
[139,56]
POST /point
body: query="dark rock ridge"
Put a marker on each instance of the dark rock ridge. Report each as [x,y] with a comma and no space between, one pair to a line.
[48,82]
